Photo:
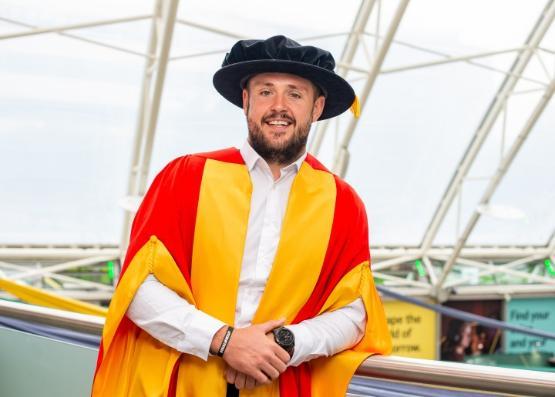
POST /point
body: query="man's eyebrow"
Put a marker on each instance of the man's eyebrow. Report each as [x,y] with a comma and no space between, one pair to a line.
[267,84]
[294,87]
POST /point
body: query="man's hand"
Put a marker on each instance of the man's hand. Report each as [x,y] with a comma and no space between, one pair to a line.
[252,353]
[239,379]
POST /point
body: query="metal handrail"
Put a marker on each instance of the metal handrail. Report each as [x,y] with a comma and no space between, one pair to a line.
[45,315]
[402,369]
[458,375]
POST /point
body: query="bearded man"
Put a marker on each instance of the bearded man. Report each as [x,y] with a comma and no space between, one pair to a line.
[248,270]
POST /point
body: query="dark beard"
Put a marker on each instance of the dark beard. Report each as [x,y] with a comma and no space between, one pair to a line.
[284,155]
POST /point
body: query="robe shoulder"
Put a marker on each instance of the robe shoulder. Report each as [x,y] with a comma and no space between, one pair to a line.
[194,160]
[228,155]
[190,167]
[349,196]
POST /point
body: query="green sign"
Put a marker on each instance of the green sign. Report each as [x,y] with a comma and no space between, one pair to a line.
[536,313]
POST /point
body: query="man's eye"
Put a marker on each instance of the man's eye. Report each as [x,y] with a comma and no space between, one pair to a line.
[265,93]
[295,95]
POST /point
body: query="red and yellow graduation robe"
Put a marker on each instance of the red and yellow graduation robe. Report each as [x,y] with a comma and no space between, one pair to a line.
[190,232]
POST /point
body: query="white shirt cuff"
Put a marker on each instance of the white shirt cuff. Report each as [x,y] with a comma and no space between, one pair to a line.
[199,334]
[171,319]
[328,333]
[303,344]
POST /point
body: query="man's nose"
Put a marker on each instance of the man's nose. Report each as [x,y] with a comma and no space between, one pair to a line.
[279,104]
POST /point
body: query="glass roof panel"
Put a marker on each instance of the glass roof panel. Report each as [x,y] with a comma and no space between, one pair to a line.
[519,211]
[424,118]
[528,188]
[49,13]
[409,139]
[67,112]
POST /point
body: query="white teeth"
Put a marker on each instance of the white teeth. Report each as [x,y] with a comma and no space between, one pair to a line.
[278,122]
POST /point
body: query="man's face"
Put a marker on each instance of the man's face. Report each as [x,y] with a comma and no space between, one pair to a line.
[280,108]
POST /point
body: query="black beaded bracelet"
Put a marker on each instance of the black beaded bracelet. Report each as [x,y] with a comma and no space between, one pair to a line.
[225,341]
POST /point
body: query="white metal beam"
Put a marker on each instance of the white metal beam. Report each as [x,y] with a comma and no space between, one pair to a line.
[551,246]
[64,28]
[469,60]
[548,50]
[347,56]
[224,50]
[407,291]
[449,56]
[495,252]
[210,29]
[60,267]
[481,291]
[385,264]
[551,249]
[450,59]
[151,93]
[540,83]
[487,123]
[430,270]
[198,54]
[499,291]
[402,281]
[497,177]
[27,252]
[61,277]
[498,268]
[340,164]
[494,269]
[81,38]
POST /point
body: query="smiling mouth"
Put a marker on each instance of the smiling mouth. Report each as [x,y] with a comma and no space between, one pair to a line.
[279,124]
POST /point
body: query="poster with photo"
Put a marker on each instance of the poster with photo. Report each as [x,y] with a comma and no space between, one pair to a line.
[460,339]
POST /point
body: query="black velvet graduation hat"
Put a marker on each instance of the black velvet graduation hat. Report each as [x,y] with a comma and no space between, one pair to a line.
[283,55]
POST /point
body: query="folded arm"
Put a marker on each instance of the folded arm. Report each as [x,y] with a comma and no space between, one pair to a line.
[175,322]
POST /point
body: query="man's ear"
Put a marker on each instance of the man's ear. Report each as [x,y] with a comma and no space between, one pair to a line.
[318,107]
[245,100]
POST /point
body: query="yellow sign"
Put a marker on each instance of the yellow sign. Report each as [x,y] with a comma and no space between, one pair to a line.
[413,330]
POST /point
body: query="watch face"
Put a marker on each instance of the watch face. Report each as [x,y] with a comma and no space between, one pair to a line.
[285,337]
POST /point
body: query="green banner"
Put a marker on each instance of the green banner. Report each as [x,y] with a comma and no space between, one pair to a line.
[537,313]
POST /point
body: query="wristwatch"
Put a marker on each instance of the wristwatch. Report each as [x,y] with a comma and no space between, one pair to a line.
[285,338]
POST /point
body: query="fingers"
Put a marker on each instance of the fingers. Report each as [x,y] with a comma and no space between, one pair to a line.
[270,370]
[282,354]
[277,363]
[240,380]
[250,383]
[270,325]
[235,378]
[230,375]
[261,378]
[253,352]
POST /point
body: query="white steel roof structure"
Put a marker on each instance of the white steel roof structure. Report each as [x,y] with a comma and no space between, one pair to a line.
[453,152]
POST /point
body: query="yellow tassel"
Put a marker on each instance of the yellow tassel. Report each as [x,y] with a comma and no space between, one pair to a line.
[355,107]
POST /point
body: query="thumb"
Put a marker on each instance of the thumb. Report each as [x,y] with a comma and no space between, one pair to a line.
[270,325]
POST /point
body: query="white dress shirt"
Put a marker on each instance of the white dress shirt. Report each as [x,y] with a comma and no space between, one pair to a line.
[172,320]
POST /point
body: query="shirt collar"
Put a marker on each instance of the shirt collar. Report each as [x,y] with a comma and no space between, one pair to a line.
[251,157]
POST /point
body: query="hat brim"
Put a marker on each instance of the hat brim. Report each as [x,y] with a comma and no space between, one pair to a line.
[340,94]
